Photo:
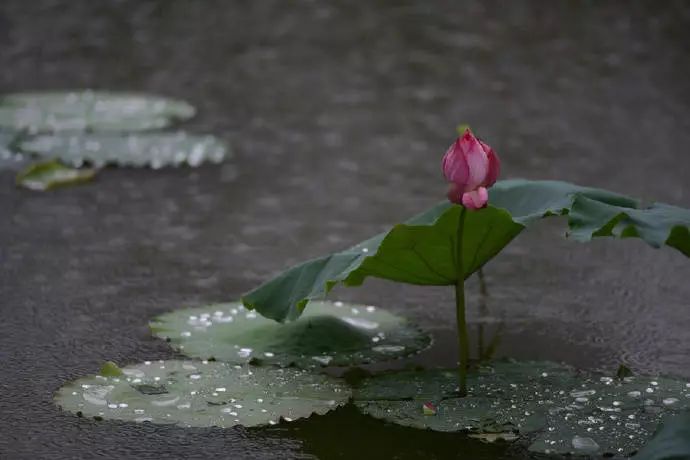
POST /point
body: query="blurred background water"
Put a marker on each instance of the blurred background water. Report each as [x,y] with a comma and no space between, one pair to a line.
[338,113]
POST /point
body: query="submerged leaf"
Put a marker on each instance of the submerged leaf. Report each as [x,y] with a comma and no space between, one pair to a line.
[421,251]
[670,442]
[51,174]
[89,110]
[570,411]
[328,334]
[202,394]
[146,149]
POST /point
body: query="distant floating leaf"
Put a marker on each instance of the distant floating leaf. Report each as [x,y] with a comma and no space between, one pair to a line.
[328,334]
[52,174]
[570,411]
[89,110]
[203,394]
[6,139]
[8,157]
[146,149]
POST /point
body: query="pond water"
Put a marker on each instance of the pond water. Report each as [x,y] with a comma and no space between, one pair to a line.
[338,114]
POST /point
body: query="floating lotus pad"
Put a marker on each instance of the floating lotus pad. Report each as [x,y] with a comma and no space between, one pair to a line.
[89,110]
[146,149]
[329,333]
[7,156]
[671,441]
[6,138]
[51,174]
[568,411]
[609,416]
[202,394]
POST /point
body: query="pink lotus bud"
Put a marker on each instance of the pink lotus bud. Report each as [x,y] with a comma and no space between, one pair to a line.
[471,166]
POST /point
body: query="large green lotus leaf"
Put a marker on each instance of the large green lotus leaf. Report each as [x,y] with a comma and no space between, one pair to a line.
[48,175]
[328,334]
[89,110]
[422,250]
[202,394]
[530,200]
[419,252]
[146,149]
[671,442]
[556,407]
[657,225]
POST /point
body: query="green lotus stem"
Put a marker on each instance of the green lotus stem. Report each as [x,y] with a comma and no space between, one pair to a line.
[482,286]
[463,340]
[483,293]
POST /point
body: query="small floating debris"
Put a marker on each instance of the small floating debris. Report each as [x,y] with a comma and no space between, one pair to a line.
[428,409]
[48,175]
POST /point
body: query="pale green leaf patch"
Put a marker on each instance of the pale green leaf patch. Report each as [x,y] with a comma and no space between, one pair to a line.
[146,149]
[328,334]
[89,110]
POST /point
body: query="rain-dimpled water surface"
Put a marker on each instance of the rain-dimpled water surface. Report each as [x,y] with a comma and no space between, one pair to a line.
[338,114]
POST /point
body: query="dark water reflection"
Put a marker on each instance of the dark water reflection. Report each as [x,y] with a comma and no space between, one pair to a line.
[339,113]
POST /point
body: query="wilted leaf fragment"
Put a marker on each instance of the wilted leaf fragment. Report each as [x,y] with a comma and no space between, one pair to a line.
[421,250]
[147,149]
[571,412]
[623,372]
[203,394]
[51,174]
[328,334]
[110,369]
[89,110]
